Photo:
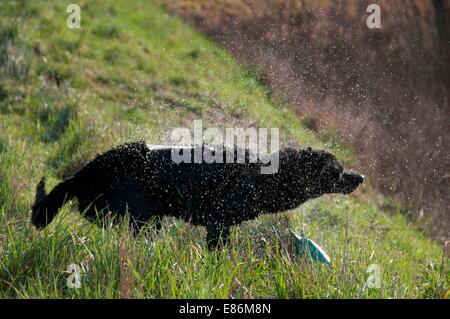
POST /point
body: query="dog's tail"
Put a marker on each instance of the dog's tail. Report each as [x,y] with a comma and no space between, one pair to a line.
[46,206]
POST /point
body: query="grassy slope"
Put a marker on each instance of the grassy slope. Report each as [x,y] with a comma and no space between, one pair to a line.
[133,72]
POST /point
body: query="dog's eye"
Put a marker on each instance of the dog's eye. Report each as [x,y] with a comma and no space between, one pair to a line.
[331,172]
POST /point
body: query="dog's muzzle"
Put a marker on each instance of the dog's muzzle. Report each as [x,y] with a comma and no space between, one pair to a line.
[350,181]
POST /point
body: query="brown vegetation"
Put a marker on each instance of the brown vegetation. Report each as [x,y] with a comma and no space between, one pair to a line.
[384,90]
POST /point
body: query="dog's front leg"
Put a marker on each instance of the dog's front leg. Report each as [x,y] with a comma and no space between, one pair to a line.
[217,235]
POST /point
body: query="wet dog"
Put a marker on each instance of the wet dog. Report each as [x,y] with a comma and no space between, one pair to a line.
[144,182]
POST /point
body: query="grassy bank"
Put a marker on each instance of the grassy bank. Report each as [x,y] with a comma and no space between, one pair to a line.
[134,72]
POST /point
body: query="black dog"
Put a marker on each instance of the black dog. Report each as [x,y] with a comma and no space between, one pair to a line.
[148,184]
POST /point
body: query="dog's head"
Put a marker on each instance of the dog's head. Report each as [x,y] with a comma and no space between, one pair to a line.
[318,172]
[336,179]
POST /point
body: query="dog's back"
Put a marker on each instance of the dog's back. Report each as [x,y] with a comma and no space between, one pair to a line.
[147,181]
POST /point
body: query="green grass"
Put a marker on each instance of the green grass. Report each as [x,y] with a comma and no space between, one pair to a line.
[134,72]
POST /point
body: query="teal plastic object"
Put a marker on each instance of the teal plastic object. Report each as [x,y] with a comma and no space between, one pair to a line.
[305,245]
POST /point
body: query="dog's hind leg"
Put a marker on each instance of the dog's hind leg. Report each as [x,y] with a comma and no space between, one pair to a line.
[217,236]
[157,223]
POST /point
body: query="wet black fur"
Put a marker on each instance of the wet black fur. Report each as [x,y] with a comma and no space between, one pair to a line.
[148,185]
